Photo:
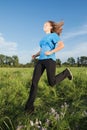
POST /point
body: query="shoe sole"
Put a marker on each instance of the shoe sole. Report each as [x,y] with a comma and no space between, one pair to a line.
[70,73]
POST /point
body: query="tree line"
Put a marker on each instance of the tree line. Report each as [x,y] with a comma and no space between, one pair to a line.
[6,61]
[13,61]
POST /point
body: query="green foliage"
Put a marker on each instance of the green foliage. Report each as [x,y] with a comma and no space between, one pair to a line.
[62,107]
[6,61]
[71,61]
[13,61]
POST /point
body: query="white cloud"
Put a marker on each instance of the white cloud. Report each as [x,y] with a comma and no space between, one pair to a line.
[7,47]
[79,50]
[75,43]
[10,48]
[77,32]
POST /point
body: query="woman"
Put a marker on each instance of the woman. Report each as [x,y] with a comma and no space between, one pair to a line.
[49,45]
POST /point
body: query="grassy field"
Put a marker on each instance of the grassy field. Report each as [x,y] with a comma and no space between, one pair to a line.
[62,107]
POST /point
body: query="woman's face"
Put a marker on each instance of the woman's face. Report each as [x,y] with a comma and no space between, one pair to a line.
[47,27]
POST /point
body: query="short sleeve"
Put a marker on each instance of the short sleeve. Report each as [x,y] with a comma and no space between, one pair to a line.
[55,38]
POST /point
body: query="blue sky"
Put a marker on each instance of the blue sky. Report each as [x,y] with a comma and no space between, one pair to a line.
[21,26]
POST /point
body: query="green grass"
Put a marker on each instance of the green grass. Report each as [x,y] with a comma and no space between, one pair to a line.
[62,107]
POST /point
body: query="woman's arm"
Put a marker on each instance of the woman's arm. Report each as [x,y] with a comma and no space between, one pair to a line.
[59,47]
[36,55]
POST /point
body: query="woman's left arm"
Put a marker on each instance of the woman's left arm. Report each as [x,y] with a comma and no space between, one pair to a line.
[59,47]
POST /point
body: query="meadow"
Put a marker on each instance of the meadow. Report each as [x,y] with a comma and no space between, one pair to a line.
[62,107]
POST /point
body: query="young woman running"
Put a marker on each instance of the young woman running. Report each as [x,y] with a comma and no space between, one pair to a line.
[49,44]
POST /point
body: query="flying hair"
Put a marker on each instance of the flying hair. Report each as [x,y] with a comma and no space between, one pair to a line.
[56,27]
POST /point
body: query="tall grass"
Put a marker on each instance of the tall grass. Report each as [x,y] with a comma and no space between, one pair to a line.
[62,107]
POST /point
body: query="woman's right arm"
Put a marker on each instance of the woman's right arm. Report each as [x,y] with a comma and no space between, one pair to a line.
[36,55]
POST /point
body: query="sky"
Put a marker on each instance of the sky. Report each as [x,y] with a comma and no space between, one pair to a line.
[21,27]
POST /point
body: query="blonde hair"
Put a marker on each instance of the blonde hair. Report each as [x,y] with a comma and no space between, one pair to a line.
[56,27]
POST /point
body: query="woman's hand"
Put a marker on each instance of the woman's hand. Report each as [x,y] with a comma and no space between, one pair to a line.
[59,47]
[33,57]
[48,52]
[37,54]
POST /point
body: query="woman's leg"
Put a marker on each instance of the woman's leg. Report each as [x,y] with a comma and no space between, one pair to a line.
[39,69]
[50,69]
[52,79]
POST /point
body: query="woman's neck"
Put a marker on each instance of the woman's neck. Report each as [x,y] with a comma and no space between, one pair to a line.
[47,32]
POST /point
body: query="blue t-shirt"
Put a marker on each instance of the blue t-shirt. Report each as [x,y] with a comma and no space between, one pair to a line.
[48,43]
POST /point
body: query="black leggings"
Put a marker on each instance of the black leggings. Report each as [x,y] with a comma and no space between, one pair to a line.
[50,67]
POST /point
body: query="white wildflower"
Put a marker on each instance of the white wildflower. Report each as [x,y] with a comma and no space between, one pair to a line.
[62,106]
[66,105]
[37,122]
[31,123]
[47,122]
[38,126]
[44,128]
[57,116]
[52,110]
[40,123]
[62,114]
[84,113]
[20,127]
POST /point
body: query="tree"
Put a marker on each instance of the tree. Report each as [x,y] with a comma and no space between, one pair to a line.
[8,60]
[58,62]
[15,61]
[78,61]
[71,61]
[2,59]
[83,60]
